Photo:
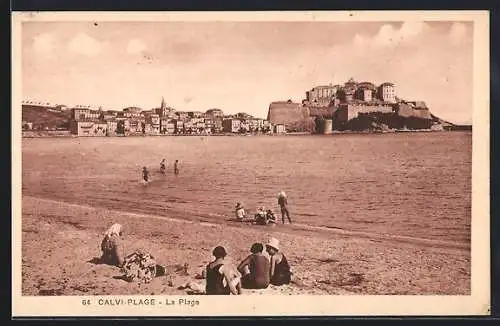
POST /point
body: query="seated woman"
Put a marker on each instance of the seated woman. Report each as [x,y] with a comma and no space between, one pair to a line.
[221,277]
[271,218]
[255,269]
[240,212]
[280,269]
[260,217]
[112,250]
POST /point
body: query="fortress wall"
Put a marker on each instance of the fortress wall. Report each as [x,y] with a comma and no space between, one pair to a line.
[355,110]
[407,111]
[286,113]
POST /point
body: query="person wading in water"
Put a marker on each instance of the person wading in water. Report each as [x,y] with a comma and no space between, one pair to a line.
[145,174]
[163,166]
[176,167]
[283,202]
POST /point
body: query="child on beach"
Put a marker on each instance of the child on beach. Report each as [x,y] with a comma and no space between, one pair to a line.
[255,269]
[280,269]
[112,251]
[221,277]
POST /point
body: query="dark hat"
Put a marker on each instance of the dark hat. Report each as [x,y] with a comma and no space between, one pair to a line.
[238,205]
[219,252]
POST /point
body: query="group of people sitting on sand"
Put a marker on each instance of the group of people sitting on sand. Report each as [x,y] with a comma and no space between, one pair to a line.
[256,271]
[263,217]
[163,169]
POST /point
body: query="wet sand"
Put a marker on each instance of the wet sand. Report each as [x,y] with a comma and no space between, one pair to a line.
[60,242]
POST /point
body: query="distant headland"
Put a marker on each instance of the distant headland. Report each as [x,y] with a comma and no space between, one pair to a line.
[356,107]
[327,109]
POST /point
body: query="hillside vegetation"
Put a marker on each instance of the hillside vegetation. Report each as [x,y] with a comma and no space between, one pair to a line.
[45,118]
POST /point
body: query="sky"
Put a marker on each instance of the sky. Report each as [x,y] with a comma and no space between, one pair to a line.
[243,66]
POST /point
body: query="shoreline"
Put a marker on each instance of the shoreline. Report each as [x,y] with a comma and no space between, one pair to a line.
[333,264]
[66,134]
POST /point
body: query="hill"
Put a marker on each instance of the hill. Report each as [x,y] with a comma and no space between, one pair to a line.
[44,117]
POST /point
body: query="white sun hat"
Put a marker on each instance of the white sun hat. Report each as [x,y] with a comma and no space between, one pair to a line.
[273,242]
[281,194]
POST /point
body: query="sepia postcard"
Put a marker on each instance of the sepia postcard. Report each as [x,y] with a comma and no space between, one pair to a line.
[250,163]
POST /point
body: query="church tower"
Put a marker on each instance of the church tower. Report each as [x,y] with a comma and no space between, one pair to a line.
[163,105]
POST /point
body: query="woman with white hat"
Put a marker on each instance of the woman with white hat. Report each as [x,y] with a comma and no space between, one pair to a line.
[279,268]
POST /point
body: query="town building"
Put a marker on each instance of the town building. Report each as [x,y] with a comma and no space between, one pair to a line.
[364,94]
[321,95]
[214,113]
[112,127]
[195,114]
[181,115]
[279,129]
[167,126]
[88,128]
[231,125]
[179,126]
[153,122]
[132,112]
[386,92]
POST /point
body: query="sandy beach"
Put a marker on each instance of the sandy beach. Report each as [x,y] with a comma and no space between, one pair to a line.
[60,242]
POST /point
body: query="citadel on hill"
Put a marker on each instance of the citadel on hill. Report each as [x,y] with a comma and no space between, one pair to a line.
[353,106]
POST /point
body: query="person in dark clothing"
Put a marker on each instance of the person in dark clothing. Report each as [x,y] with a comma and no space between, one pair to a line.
[221,277]
[271,218]
[176,167]
[280,269]
[283,203]
[255,269]
[112,249]
[163,166]
[260,217]
[145,174]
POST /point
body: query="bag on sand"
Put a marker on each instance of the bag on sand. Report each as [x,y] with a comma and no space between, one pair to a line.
[140,267]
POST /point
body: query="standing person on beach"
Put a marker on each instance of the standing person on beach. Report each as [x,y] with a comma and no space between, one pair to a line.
[255,269]
[280,269]
[163,166]
[176,167]
[145,174]
[112,250]
[221,277]
[283,203]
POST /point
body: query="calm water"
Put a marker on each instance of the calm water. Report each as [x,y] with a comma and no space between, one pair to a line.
[413,184]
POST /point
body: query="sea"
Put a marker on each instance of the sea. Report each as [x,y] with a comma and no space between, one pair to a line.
[403,184]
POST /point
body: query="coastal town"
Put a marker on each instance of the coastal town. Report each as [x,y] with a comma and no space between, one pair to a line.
[163,120]
[326,108]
